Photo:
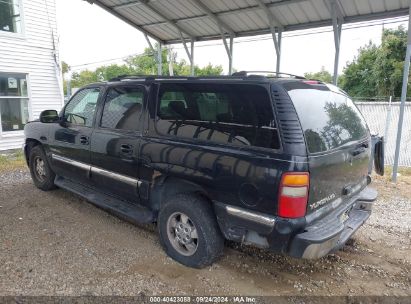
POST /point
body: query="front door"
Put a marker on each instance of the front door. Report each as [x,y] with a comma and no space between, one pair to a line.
[116,140]
[71,139]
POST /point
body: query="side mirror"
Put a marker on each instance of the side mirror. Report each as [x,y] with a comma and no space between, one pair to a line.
[49,116]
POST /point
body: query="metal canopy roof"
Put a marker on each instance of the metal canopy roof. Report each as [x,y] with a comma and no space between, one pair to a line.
[168,21]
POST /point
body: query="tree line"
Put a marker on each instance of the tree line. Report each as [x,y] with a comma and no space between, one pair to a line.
[376,71]
[144,64]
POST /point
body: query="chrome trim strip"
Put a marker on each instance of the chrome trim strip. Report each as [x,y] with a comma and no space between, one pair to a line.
[71,162]
[250,216]
[122,178]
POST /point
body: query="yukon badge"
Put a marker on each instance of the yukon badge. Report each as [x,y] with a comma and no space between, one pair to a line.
[322,202]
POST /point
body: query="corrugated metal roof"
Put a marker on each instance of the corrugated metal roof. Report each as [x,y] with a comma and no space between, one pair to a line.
[200,20]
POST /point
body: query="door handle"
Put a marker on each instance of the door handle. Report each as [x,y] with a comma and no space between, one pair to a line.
[84,140]
[126,149]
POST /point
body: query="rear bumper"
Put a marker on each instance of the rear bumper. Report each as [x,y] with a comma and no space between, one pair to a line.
[296,237]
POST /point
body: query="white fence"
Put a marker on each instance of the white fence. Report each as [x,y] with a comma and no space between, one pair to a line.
[375,113]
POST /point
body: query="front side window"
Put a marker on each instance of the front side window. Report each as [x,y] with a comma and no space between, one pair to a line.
[122,108]
[10,17]
[240,115]
[81,108]
[13,102]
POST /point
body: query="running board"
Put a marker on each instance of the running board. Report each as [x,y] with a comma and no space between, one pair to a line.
[133,213]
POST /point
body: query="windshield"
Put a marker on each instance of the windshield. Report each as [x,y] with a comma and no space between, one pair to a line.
[329,119]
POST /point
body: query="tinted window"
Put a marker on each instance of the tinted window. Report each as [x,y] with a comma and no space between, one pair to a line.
[122,108]
[241,115]
[329,119]
[81,108]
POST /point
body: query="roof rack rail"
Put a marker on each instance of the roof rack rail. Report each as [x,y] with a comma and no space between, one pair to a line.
[152,77]
[247,73]
[122,77]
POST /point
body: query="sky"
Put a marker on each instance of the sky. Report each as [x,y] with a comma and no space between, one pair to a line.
[88,34]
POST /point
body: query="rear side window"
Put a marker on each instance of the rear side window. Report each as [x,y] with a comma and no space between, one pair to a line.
[329,119]
[122,108]
[240,115]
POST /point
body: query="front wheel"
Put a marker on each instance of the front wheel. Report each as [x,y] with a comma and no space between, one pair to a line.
[189,231]
[41,173]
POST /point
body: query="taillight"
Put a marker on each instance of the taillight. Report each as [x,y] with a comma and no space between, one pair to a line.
[292,202]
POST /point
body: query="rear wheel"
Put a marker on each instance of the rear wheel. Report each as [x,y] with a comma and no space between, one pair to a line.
[41,173]
[189,231]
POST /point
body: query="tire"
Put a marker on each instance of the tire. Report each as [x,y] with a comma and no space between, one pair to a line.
[209,243]
[41,173]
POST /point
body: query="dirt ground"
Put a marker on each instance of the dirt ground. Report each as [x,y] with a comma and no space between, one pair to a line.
[55,243]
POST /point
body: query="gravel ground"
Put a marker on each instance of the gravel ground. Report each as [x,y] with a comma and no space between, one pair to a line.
[55,243]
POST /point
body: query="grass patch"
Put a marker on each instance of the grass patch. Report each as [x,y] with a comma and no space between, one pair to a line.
[404,171]
[12,161]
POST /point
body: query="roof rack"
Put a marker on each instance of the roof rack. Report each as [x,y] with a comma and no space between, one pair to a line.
[153,77]
[250,73]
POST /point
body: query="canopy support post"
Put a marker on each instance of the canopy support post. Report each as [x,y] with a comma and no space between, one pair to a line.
[403,98]
[149,42]
[192,58]
[277,45]
[189,54]
[230,56]
[337,27]
[159,59]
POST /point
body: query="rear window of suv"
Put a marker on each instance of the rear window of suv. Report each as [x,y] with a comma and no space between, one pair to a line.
[240,115]
[329,119]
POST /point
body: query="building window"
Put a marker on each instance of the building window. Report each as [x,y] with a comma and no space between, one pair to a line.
[10,17]
[14,112]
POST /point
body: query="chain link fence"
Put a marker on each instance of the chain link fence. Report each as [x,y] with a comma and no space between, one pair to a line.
[376,113]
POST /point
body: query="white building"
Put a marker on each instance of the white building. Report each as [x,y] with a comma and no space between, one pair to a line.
[29,66]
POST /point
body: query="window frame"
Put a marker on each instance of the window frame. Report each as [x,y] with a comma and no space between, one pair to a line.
[103,104]
[209,142]
[22,34]
[62,112]
[28,98]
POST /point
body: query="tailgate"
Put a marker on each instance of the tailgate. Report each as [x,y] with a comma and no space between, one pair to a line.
[337,140]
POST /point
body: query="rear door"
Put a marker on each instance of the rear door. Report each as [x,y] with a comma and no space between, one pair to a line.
[337,139]
[115,144]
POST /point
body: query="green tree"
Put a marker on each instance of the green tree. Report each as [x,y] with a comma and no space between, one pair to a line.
[359,74]
[145,64]
[322,75]
[208,70]
[377,70]
[79,79]
[388,68]
[105,73]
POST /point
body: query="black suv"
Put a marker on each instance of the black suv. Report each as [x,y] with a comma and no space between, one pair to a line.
[277,162]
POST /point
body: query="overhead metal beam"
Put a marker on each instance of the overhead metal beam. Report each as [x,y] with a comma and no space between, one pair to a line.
[220,23]
[403,99]
[308,25]
[251,8]
[270,16]
[173,23]
[125,19]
